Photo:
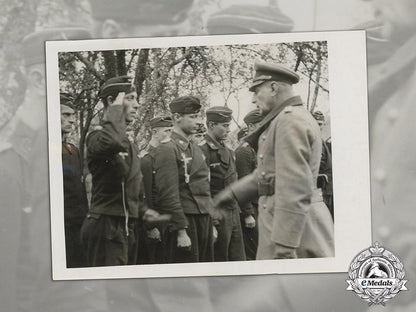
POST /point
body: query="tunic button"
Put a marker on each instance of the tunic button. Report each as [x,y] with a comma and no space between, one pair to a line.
[263,138]
[27,210]
[392,115]
[261,156]
[380,175]
[263,173]
[264,206]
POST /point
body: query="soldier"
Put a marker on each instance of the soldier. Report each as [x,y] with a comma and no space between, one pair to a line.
[183,189]
[220,159]
[325,168]
[153,246]
[293,220]
[132,18]
[246,163]
[75,196]
[111,227]
[199,136]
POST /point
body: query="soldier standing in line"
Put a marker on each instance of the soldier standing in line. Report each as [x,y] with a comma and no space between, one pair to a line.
[293,219]
[75,196]
[246,163]
[325,168]
[199,136]
[153,243]
[220,159]
[182,183]
[111,228]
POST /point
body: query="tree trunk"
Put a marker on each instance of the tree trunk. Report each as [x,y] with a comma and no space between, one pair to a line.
[318,78]
[109,64]
[121,62]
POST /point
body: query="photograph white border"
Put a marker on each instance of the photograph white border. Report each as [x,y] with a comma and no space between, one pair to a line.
[350,157]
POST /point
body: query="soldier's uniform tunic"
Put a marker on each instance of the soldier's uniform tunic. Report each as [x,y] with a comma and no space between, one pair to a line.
[183,190]
[75,205]
[116,177]
[291,210]
[150,251]
[246,163]
[220,159]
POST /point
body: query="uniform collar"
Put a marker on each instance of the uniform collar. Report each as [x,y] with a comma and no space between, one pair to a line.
[180,140]
[212,142]
[253,137]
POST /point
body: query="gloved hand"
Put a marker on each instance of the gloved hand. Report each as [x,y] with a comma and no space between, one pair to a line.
[154,234]
[283,252]
[183,239]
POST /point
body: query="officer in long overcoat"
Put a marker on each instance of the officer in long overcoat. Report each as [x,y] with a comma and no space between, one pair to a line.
[293,220]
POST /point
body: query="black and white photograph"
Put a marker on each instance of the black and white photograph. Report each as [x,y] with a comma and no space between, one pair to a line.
[215,153]
[376,75]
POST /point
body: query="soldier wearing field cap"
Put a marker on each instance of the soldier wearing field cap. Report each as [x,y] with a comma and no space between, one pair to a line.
[182,183]
[248,18]
[111,229]
[75,196]
[152,248]
[293,220]
[221,161]
[246,163]
[132,18]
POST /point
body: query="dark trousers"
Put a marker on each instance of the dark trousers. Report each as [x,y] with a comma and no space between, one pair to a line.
[106,241]
[151,251]
[230,245]
[251,236]
[202,244]
[75,253]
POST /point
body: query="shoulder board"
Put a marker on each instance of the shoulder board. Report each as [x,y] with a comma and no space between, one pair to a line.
[212,145]
[202,143]
[98,127]
[245,144]
[288,109]
[165,140]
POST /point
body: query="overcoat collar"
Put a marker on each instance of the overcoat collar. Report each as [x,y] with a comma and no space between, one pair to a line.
[253,137]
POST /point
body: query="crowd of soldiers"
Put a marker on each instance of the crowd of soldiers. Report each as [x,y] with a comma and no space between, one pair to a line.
[188,197]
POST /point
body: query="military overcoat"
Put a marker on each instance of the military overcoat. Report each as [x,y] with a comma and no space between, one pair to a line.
[291,210]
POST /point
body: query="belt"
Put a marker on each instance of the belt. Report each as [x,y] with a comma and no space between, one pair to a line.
[265,188]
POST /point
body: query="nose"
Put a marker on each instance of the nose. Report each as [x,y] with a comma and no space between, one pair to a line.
[254,99]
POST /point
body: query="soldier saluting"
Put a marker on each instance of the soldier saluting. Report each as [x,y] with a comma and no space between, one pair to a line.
[115,167]
[181,179]
[293,220]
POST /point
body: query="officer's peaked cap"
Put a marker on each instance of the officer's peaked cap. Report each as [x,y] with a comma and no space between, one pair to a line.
[249,19]
[272,72]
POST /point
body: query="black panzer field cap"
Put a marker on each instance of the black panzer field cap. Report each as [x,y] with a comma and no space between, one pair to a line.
[185,105]
[219,114]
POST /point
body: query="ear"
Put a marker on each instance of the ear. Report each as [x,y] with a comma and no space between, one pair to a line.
[110,100]
[176,116]
[274,86]
[111,29]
